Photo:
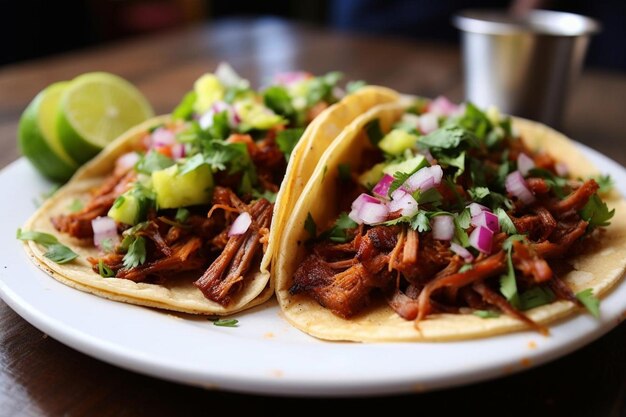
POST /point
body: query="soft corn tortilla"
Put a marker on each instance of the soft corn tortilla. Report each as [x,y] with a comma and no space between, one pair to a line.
[180,294]
[600,268]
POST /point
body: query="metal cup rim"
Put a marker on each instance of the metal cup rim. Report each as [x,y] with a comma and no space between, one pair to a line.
[538,22]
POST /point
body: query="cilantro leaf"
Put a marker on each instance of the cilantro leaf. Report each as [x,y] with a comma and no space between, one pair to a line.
[535,297]
[374,132]
[220,128]
[267,194]
[430,196]
[153,161]
[596,212]
[399,178]
[508,285]
[184,110]
[478,193]
[605,182]
[75,206]
[590,301]
[344,172]
[447,137]
[464,218]
[353,86]
[475,121]
[60,253]
[55,251]
[486,314]
[452,161]
[104,270]
[182,214]
[287,140]
[321,88]
[225,322]
[310,226]
[277,99]
[506,224]
[460,235]
[191,164]
[421,222]
[136,254]
[338,232]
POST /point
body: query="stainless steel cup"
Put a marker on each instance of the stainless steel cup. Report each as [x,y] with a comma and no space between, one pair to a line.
[525,66]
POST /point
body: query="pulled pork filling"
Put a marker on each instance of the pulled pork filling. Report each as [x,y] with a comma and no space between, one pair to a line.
[454,238]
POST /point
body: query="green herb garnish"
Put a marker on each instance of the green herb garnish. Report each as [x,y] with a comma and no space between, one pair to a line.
[56,252]
[590,301]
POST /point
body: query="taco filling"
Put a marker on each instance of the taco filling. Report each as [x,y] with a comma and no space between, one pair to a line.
[196,194]
[450,212]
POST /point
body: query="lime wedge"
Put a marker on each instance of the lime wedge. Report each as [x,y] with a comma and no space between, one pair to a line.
[37,135]
[95,109]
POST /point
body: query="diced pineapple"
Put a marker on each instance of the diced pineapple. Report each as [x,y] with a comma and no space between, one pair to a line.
[174,190]
[396,141]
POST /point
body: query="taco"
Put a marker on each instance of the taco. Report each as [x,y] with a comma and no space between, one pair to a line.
[428,221]
[177,212]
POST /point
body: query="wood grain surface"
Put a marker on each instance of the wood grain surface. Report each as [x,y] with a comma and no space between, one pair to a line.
[41,377]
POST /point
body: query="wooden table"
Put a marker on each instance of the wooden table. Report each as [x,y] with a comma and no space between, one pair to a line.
[41,377]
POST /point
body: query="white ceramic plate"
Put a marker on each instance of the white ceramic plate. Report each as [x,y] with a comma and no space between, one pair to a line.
[264,354]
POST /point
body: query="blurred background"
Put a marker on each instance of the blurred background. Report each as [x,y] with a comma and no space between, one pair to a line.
[39,28]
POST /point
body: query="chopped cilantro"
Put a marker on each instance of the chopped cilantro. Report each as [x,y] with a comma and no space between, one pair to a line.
[321,88]
[590,301]
[596,212]
[464,218]
[153,161]
[191,164]
[353,86]
[460,235]
[225,322]
[421,222]
[430,196]
[287,140]
[136,254]
[466,267]
[184,110]
[605,182]
[506,224]
[535,297]
[448,137]
[338,232]
[374,132]
[56,252]
[310,226]
[182,214]
[75,206]
[107,245]
[344,172]
[478,193]
[508,285]
[457,161]
[277,99]
[104,270]
[486,314]
[267,194]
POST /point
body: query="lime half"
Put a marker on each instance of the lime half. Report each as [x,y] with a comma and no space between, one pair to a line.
[38,138]
[95,109]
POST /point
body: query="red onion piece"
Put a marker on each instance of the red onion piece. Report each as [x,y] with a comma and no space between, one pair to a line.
[162,137]
[481,238]
[382,188]
[524,163]
[488,220]
[206,120]
[104,228]
[411,119]
[369,210]
[429,157]
[441,106]
[403,201]
[561,169]
[291,77]
[429,122]
[424,179]
[178,151]
[127,161]
[241,224]
[475,209]
[338,92]
[462,252]
[443,227]
[516,186]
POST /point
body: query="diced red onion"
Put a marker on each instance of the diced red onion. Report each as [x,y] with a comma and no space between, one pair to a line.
[162,137]
[403,201]
[127,161]
[475,209]
[561,169]
[524,163]
[104,228]
[488,220]
[382,188]
[369,210]
[206,120]
[429,122]
[228,77]
[424,179]
[441,106]
[481,238]
[516,186]
[429,157]
[178,151]
[339,92]
[462,252]
[291,77]
[241,224]
[443,227]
